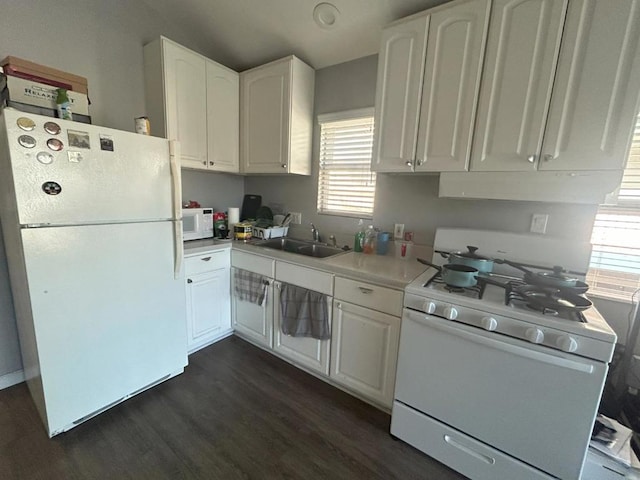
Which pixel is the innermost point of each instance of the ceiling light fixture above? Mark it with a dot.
(326, 15)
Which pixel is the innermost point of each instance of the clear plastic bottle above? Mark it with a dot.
(369, 245)
(359, 239)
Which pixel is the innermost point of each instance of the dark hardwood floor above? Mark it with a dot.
(236, 413)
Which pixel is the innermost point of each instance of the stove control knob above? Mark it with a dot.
(534, 335)
(429, 307)
(450, 313)
(489, 323)
(567, 343)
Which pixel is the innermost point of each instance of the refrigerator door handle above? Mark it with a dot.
(176, 187)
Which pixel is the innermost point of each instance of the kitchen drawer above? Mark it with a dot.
(305, 277)
(253, 263)
(206, 262)
(383, 299)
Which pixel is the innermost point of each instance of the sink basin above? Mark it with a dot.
(300, 247)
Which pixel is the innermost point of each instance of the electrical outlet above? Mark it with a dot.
(296, 217)
(398, 231)
(539, 223)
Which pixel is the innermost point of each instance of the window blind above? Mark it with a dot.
(614, 269)
(346, 184)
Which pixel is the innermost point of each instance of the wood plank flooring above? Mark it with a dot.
(236, 413)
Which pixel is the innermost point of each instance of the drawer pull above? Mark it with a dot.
(205, 259)
(484, 458)
(189, 280)
(366, 290)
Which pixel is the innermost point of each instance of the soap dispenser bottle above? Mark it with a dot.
(359, 239)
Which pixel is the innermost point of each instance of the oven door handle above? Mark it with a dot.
(497, 344)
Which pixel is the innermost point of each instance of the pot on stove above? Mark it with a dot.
(454, 275)
(469, 258)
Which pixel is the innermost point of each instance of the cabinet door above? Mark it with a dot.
(455, 51)
(265, 117)
(364, 351)
(185, 96)
(595, 96)
(305, 351)
(520, 62)
(223, 118)
(255, 321)
(208, 307)
(399, 87)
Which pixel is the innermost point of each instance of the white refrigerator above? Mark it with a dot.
(93, 238)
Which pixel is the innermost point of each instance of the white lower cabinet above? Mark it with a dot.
(364, 351)
(255, 322)
(306, 351)
(251, 321)
(208, 298)
(364, 321)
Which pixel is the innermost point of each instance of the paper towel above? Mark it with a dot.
(233, 217)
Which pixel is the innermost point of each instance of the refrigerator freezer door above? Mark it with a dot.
(98, 175)
(108, 315)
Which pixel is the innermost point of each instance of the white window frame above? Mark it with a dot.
(368, 182)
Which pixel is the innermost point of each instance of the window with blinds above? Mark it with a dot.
(346, 184)
(615, 260)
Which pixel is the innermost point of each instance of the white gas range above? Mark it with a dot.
(490, 386)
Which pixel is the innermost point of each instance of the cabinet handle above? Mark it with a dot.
(189, 280)
(419, 162)
(409, 163)
(284, 165)
(205, 259)
(548, 157)
(211, 163)
(531, 158)
(339, 305)
(204, 163)
(366, 290)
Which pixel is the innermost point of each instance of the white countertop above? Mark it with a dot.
(384, 270)
(196, 247)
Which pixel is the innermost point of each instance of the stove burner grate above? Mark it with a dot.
(474, 292)
(514, 298)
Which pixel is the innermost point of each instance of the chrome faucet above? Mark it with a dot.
(334, 243)
(315, 233)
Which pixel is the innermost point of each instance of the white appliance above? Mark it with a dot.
(490, 387)
(91, 222)
(197, 223)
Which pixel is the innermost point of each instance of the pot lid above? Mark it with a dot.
(471, 253)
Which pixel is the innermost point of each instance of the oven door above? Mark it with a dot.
(531, 402)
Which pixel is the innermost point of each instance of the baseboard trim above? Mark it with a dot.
(11, 379)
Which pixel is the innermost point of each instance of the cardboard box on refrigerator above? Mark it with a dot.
(41, 95)
(27, 70)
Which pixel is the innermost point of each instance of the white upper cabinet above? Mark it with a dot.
(193, 100)
(223, 118)
(399, 88)
(595, 96)
(428, 80)
(520, 63)
(455, 50)
(276, 117)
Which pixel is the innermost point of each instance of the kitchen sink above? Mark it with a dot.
(300, 247)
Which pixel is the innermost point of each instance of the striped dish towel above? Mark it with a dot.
(250, 287)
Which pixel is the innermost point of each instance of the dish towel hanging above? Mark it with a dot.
(250, 287)
(304, 313)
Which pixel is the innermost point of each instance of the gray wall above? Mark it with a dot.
(102, 41)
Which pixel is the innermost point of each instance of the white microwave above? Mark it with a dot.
(197, 223)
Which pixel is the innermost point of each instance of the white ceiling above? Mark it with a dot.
(245, 33)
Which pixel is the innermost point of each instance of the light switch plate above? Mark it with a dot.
(296, 217)
(398, 231)
(539, 223)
